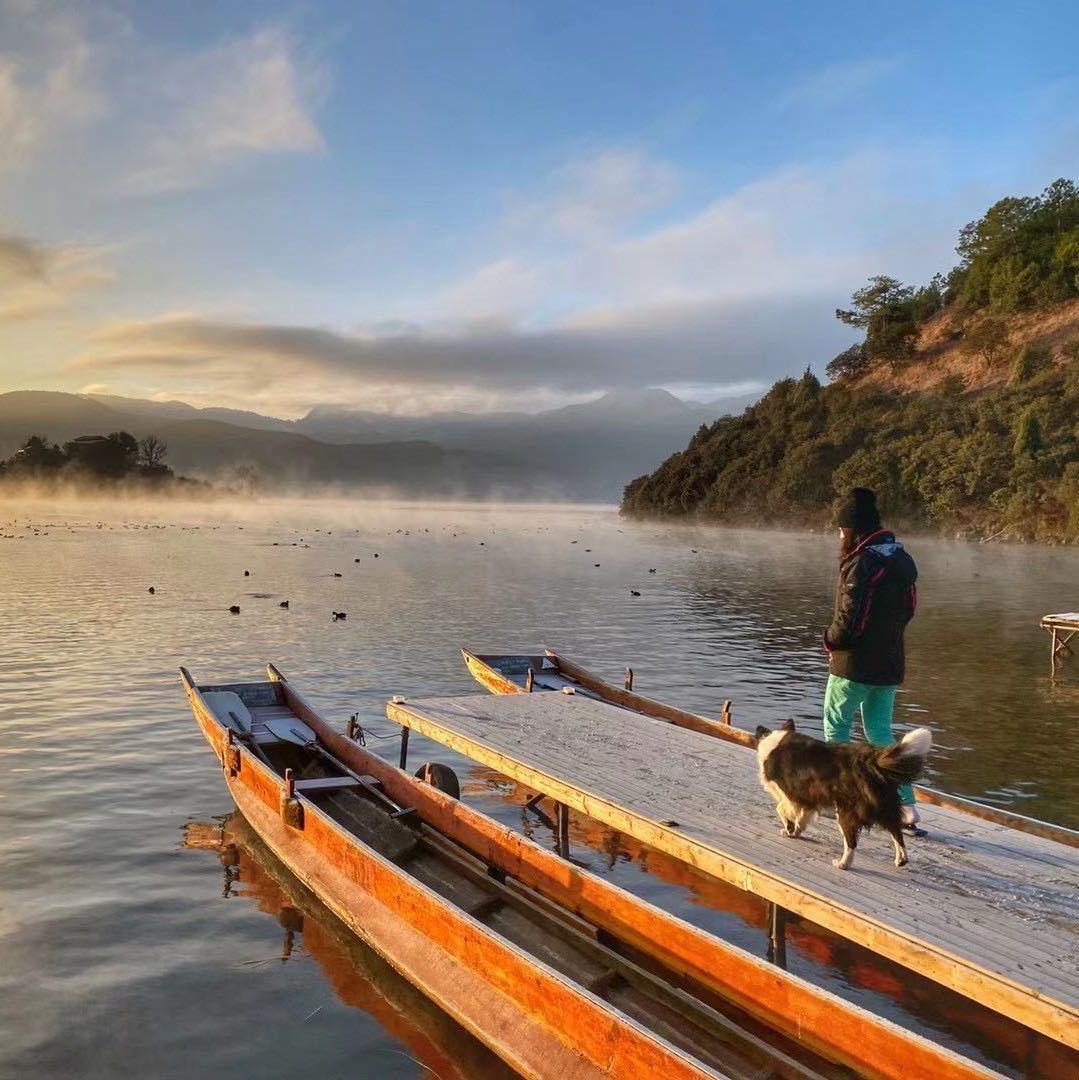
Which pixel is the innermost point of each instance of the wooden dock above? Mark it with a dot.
(987, 911)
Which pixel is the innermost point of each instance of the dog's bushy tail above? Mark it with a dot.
(905, 762)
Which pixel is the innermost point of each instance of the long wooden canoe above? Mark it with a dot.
(514, 673)
(557, 971)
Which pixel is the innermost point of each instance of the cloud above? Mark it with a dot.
(507, 286)
(741, 290)
(706, 344)
(35, 279)
(243, 96)
(597, 193)
(804, 229)
(48, 81)
(837, 83)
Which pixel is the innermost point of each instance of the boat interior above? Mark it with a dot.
(695, 1019)
(546, 673)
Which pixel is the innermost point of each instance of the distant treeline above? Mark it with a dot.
(99, 459)
(1003, 460)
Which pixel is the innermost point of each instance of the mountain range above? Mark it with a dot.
(584, 451)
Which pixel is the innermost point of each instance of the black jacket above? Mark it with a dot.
(874, 600)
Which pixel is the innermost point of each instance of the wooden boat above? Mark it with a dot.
(516, 673)
(522, 674)
(558, 972)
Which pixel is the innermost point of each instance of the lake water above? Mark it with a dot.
(129, 948)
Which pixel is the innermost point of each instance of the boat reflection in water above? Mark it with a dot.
(357, 974)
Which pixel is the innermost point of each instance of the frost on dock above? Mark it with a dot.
(991, 912)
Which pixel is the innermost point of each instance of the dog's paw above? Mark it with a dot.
(899, 864)
(840, 864)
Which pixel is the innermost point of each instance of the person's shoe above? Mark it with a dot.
(911, 817)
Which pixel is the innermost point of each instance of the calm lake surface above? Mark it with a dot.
(142, 930)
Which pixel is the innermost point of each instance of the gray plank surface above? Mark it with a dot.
(984, 897)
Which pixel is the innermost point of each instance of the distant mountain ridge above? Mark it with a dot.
(582, 451)
(593, 447)
(213, 449)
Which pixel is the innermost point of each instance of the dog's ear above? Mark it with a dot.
(788, 725)
(762, 731)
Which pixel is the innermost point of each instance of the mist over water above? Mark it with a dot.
(121, 954)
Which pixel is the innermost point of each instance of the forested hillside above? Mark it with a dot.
(960, 406)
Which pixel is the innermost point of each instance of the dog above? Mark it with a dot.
(805, 775)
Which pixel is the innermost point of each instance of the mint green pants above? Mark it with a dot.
(843, 698)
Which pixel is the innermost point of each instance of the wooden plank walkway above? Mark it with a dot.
(987, 911)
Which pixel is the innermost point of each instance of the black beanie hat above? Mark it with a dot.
(858, 512)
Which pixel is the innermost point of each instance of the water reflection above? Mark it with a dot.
(358, 976)
(103, 928)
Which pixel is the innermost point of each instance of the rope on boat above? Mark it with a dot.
(361, 734)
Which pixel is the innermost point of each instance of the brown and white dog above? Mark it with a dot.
(805, 775)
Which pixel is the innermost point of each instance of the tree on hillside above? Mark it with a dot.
(988, 338)
(1031, 360)
(848, 363)
(1028, 433)
(884, 310)
(1022, 253)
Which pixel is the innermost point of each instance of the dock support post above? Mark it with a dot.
(777, 935)
(629, 678)
(563, 829)
(404, 747)
(530, 678)
(726, 716)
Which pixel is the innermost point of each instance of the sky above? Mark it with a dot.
(410, 206)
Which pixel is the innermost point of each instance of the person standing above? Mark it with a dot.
(875, 598)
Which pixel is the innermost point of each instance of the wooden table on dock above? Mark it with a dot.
(1063, 626)
(990, 912)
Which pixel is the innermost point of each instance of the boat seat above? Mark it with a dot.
(224, 702)
(333, 783)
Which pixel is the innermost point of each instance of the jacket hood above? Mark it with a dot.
(884, 546)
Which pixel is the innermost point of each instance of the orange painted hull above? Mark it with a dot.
(538, 1021)
(357, 975)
